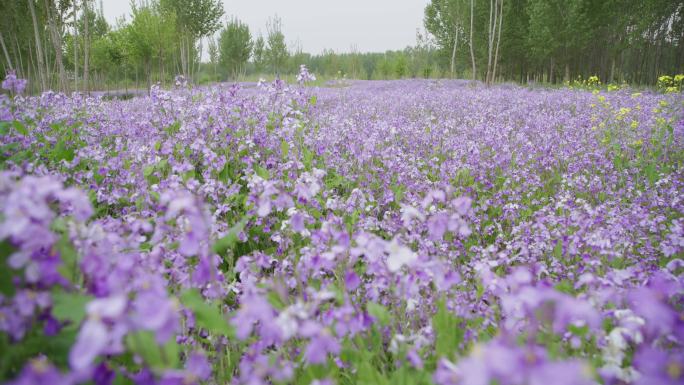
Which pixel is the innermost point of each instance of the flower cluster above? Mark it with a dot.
(385, 232)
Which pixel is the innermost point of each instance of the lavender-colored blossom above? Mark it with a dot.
(39, 371)
(659, 367)
(13, 84)
(96, 333)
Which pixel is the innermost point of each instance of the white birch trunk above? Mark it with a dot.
(472, 52)
(39, 48)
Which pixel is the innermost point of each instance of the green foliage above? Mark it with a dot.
(444, 18)
(276, 51)
(379, 312)
(144, 344)
(198, 17)
(235, 47)
(207, 315)
(448, 332)
(69, 306)
(259, 54)
(231, 238)
(6, 284)
(671, 83)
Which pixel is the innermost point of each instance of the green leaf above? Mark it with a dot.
(558, 250)
(69, 306)
(262, 172)
(69, 267)
(448, 331)
(284, 148)
(19, 126)
(368, 375)
(379, 312)
(307, 158)
(207, 315)
(144, 345)
(228, 241)
(6, 273)
(651, 172)
(403, 376)
(148, 170)
(62, 151)
(565, 286)
(275, 300)
(399, 192)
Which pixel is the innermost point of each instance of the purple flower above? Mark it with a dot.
(97, 333)
(658, 367)
(152, 310)
(414, 359)
(651, 303)
(40, 372)
(103, 375)
(351, 280)
(297, 222)
(253, 309)
(197, 369)
(13, 84)
(437, 226)
(399, 256)
(321, 344)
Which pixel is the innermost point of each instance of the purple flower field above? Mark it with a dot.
(387, 232)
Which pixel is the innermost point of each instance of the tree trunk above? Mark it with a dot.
(490, 37)
(75, 43)
(39, 48)
(498, 39)
(148, 71)
(56, 43)
(612, 70)
(48, 69)
(453, 53)
(472, 52)
(198, 65)
(18, 55)
(183, 57)
(86, 48)
(4, 51)
(32, 69)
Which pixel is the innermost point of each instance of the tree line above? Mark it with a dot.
(67, 45)
(559, 40)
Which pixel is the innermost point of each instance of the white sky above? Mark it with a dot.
(370, 25)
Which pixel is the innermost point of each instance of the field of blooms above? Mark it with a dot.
(400, 232)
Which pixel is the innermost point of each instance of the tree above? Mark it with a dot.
(86, 45)
(276, 51)
(400, 65)
(259, 54)
(214, 54)
(444, 19)
(56, 38)
(493, 38)
(472, 52)
(150, 35)
(235, 47)
(195, 19)
(42, 66)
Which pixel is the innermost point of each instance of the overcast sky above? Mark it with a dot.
(370, 25)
